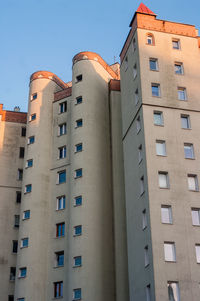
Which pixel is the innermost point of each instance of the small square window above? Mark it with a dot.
(155, 89)
(136, 97)
(63, 107)
(77, 261)
(134, 71)
(24, 242)
(79, 123)
(18, 196)
(12, 274)
(34, 96)
(21, 152)
(60, 229)
(78, 200)
(26, 214)
(78, 147)
(173, 290)
(176, 44)
(15, 246)
(158, 118)
(60, 203)
(170, 251)
(29, 163)
(23, 132)
(193, 183)
(182, 93)
(146, 256)
(31, 140)
(185, 121)
(77, 294)
(79, 100)
(28, 188)
(17, 220)
(160, 148)
(166, 214)
(77, 230)
(59, 259)
(163, 179)
(197, 248)
(61, 177)
(22, 272)
(79, 78)
(153, 64)
(138, 124)
(58, 289)
(32, 117)
(189, 151)
(195, 216)
(62, 152)
(62, 129)
(78, 173)
(178, 68)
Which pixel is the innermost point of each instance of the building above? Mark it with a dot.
(109, 197)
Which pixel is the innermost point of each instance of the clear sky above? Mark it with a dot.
(46, 34)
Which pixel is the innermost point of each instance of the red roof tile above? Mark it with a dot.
(144, 10)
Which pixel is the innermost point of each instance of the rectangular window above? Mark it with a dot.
(138, 124)
(193, 183)
(197, 248)
(28, 188)
(62, 129)
(29, 163)
(18, 197)
(11, 298)
(79, 123)
(141, 185)
(158, 118)
(166, 214)
(77, 294)
(134, 71)
(63, 107)
(60, 203)
(17, 219)
(24, 242)
(153, 64)
(146, 256)
(34, 96)
(160, 148)
(78, 200)
(78, 147)
(173, 291)
(77, 230)
(22, 272)
(79, 100)
(12, 273)
(169, 251)
(155, 89)
(15, 246)
(59, 259)
(136, 97)
(77, 261)
(61, 177)
(26, 214)
(78, 173)
(148, 292)
(185, 121)
(20, 174)
(62, 152)
(23, 132)
(163, 179)
(60, 230)
(144, 219)
(58, 289)
(32, 117)
(140, 153)
(31, 140)
(189, 151)
(196, 216)
(21, 152)
(175, 44)
(79, 78)
(182, 93)
(178, 68)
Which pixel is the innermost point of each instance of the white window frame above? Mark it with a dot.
(62, 107)
(197, 249)
(169, 219)
(161, 148)
(191, 149)
(169, 251)
(178, 64)
(182, 94)
(159, 90)
(60, 202)
(156, 64)
(186, 117)
(161, 118)
(63, 151)
(193, 186)
(163, 173)
(62, 129)
(174, 287)
(195, 212)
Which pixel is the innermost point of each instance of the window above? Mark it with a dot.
(21, 299)
(138, 124)
(60, 203)
(134, 44)
(141, 185)
(20, 174)
(31, 140)
(12, 273)
(196, 216)
(178, 68)
(77, 261)
(23, 132)
(193, 183)
(60, 230)
(62, 129)
(155, 89)
(176, 44)
(22, 272)
(126, 63)
(185, 121)
(78, 147)
(148, 292)
(166, 214)
(169, 251)
(150, 39)
(79, 78)
(77, 294)
(173, 291)
(24, 242)
(163, 179)
(78, 173)
(58, 289)
(17, 219)
(197, 248)
(21, 152)
(34, 96)
(134, 71)
(136, 97)
(140, 153)
(182, 93)
(63, 107)
(26, 214)
(79, 123)
(11, 298)
(18, 196)
(144, 219)
(32, 117)
(15, 246)
(59, 259)
(62, 152)
(188, 151)
(153, 64)
(28, 188)
(158, 118)
(77, 230)
(146, 256)
(61, 176)
(78, 200)
(29, 163)
(160, 148)
(79, 100)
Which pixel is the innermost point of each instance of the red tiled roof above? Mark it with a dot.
(144, 10)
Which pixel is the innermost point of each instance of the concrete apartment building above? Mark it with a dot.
(109, 204)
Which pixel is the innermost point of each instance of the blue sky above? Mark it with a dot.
(46, 34)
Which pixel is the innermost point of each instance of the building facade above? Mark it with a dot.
(100, 200)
